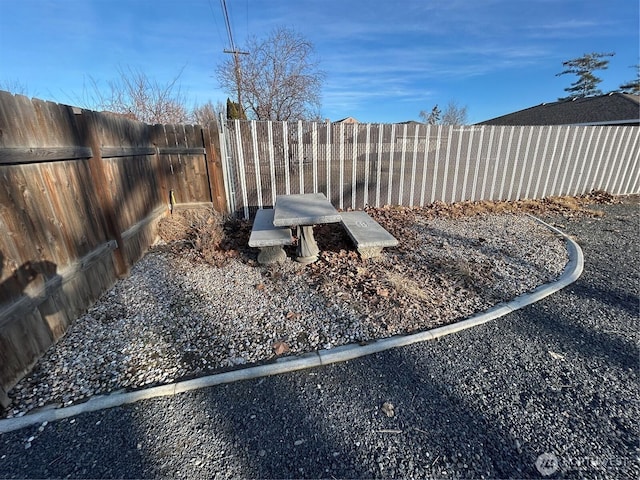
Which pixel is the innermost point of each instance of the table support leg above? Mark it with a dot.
(270, 255)
(307, 247)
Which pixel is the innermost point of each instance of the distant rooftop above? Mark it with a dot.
(347, 120)
(610, 109)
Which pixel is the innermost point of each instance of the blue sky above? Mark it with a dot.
(384, 60)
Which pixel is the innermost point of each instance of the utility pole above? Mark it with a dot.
(238, 72)
(235, 52)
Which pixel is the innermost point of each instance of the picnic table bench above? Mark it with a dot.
(367, 234)
(272, 228)
(269, 238)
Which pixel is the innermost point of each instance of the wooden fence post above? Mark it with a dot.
(214, 170)
(88, 130)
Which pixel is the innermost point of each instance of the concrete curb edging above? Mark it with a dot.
(572, 271)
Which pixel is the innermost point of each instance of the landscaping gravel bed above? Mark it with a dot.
(175, 317)
(550, 388)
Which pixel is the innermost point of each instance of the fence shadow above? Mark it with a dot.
(77, 184)
(24, 277)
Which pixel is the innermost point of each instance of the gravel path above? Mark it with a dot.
(558, 378)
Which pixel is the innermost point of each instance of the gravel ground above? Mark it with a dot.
(174, 319)
(555, 381)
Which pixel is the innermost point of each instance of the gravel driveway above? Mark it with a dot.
(555, 383)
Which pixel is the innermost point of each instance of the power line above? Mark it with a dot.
(234, 51)
(227, 22)
(215, 20)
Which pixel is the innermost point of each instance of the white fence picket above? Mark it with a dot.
(379, 167)
(597, 147)
(633, 176)
(403, 162)
(300, 159)
(354, 166)
(272, 163)
(256, 161)
(523, 166)
(436, 163)
(614, 188)
(414, 161)
(423, 164)
(487, 162)
(542, 167)
(367, 152)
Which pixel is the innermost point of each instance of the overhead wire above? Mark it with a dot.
(215, 20)
(227, 22)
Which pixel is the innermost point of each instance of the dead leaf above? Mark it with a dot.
(292, 316)
(556, 356)
(383, 292)
(260, 286)
(388, 409)
(280, 348)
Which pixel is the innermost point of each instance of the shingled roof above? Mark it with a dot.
(611, 109)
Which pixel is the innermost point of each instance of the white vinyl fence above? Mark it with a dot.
(357, 165)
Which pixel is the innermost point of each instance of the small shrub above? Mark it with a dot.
(199, 231)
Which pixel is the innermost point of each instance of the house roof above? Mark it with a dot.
(347, 120)
(612, 109)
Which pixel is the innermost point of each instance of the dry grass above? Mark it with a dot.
(408, 287)
(209, 236)
(199, 231)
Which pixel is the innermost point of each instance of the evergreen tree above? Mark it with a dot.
(632, 86)
(453, 115)
(587, 83)
(234, 112)
(432, 118)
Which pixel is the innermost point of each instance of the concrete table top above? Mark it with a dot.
(304, 209)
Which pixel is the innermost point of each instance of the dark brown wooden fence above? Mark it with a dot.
(80, 195)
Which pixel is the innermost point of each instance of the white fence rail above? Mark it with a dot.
(414, 164)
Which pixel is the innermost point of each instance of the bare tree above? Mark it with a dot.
(14, 86)
(207, 114)
(279, 79)
(452, 115)
(136, 96)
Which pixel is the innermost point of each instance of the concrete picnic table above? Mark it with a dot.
(304, 211)
(272, 228)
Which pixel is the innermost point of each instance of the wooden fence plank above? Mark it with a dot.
(159, 163)
(176, 173)
(15, 133)
(215, 174)
(197, 157)
(91, 129)
(113, 152)
(18, 155)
